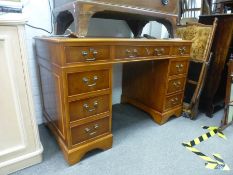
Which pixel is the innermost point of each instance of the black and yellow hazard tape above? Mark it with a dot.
(218, 163)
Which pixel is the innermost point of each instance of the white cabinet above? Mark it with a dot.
(20, 145)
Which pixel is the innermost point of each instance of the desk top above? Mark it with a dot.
(70, 52)
(66, 39)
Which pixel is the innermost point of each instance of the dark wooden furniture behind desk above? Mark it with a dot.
(76, 81)
(213, 94)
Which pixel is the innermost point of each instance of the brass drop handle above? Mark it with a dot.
(182, 50)
(135, 52)
(179, 67)
(87, 107)
(159, 52)
(92, 131)
(174, 100)
(177, 84)
(131, 54)
(91, 51)
(84, 53)
(87, 81)
(147, 51)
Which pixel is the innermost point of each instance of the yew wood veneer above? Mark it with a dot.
(76, 84)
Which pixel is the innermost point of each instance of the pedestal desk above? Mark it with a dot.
(76, 82)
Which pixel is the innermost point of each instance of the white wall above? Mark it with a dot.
(153, 28)
(38, 14)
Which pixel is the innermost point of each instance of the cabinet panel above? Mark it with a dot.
(19, 141)
(11, 114)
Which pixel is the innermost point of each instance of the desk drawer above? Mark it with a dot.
(86, 54)
(88, 81)
(175, 85)
(182, 50)
(129, 52)
(89, 130)
(160, 51)
(178, 67)
(141, 51)
(173, 101)
(84, 108)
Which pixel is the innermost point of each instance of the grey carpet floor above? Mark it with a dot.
(141, 147)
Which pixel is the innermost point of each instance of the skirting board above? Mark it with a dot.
(21, 162)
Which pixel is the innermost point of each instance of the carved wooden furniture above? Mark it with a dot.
(136, 13)
(222, 6)
(214, 90)
(228, 111)
(76, 79)
(20, 145)
(191, 9)
(202, 37)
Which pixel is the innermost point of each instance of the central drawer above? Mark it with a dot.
(141, 51)
(88, 107)
(88, 81)
(90, 130)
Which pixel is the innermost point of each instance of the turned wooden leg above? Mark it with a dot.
(82, 23)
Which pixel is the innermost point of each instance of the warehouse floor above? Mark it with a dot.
(142, 147)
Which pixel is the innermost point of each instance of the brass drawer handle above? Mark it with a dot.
(174, 101)
(92, 131)
(177, 84)
(179, 67)
(159, 52)
(87, 107)
(135, 52)
(91, 51)
(182, 50)
(87, 81)
(84, 53)
(147, 51)
(131, 54)
(128, 53)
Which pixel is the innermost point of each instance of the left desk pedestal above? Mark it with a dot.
(20, 146)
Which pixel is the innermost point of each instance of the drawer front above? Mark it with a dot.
(88, 107)
(175, 85)
(183, 50)
(173, 101)
(86, 54)
(141, 51)
(90, 130)
(89, 81)
(178, 67)
(160, 51)
(129, 52)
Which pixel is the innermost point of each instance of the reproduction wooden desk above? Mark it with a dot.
(76, 82)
